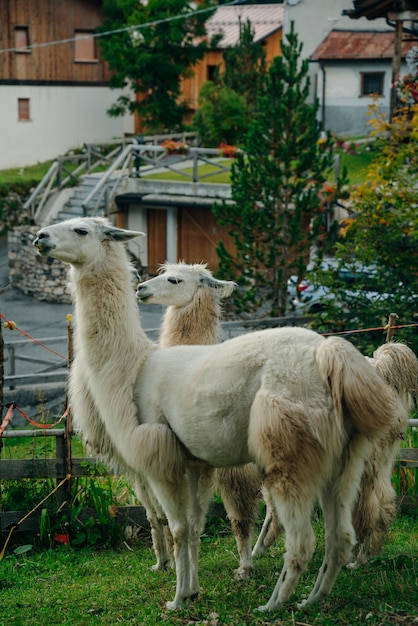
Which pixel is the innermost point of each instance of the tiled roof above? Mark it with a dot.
(265, 20)
(354, 45)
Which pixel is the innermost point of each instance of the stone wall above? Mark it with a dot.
(40, 277)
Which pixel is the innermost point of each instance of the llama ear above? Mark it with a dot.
(119, 234)
(223, 287)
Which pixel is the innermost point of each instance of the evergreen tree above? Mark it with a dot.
(245, 65)
(277, 212)
(152, 61)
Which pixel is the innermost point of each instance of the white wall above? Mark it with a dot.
(346, 111)
(62, 118)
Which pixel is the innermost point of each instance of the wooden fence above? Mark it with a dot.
(65, 465)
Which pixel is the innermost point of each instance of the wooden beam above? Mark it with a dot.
(396, 68)
(403, 16)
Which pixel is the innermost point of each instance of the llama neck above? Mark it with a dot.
(108, 330)
(196, 323)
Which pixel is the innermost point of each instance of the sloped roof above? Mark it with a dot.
(265, 20)
(356, 45)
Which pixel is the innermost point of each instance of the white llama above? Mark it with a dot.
(192, 296)
(375, 509)
(304, 408)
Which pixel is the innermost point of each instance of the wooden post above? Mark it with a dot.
(396, 67)
(69, 420)
(1, 371)
(390, 326)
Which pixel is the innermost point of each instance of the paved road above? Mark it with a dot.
(42, 321)
(47, 319)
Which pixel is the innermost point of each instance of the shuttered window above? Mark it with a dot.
(23, 108)
(84, 46)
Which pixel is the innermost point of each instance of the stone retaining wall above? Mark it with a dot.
(40, 277)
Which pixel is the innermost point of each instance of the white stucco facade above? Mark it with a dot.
(61, 118)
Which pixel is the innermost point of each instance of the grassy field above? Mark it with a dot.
(63, 586)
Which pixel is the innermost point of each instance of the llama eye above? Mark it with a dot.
(174, 281)
(81, 231)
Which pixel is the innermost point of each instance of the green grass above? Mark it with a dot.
(88, 587)
(24, 175)
(357, 164)
(217, 176)
(37, 447)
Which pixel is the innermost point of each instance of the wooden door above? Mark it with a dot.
(199, 235)
(157, 239)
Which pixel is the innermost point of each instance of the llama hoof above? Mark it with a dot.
(258, 551)
(311, 599)
(263, 608)
(242, 574)
(159, 567)
(353, 565)
(173, 606)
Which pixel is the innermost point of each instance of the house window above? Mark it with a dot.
(23, 109)
(372, 83)
(22, 39)
(84, 46)
(211, 72)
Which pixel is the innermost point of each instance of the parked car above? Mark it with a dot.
(307, 296)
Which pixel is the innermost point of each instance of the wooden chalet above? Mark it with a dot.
(54, 92)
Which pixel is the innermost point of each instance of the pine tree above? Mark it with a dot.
(277, 187)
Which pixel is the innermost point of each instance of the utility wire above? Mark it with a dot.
(117, 30)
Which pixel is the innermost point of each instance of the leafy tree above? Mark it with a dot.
(227, 103)
(152, 61)
(222, 116)
(278, 207)
(381, 235)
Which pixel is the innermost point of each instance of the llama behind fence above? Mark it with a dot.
(192, 296)
(306, 409)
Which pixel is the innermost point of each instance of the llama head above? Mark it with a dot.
(178, 283)
(79, 240)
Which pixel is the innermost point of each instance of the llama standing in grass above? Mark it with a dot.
(305, 409)
(192, 296)
(375, 509)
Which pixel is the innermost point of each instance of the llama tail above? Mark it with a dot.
(357, 389)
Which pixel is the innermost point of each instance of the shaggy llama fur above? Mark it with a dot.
(305, 409)
(375, 509)
(192, 296)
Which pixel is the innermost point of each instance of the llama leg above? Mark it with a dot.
(271, 528)
(160, 532)
(174, 499)
(240, 491)
(337, 500)
(200, 483)
(300, 544)
(339, 542)
(375, 509)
